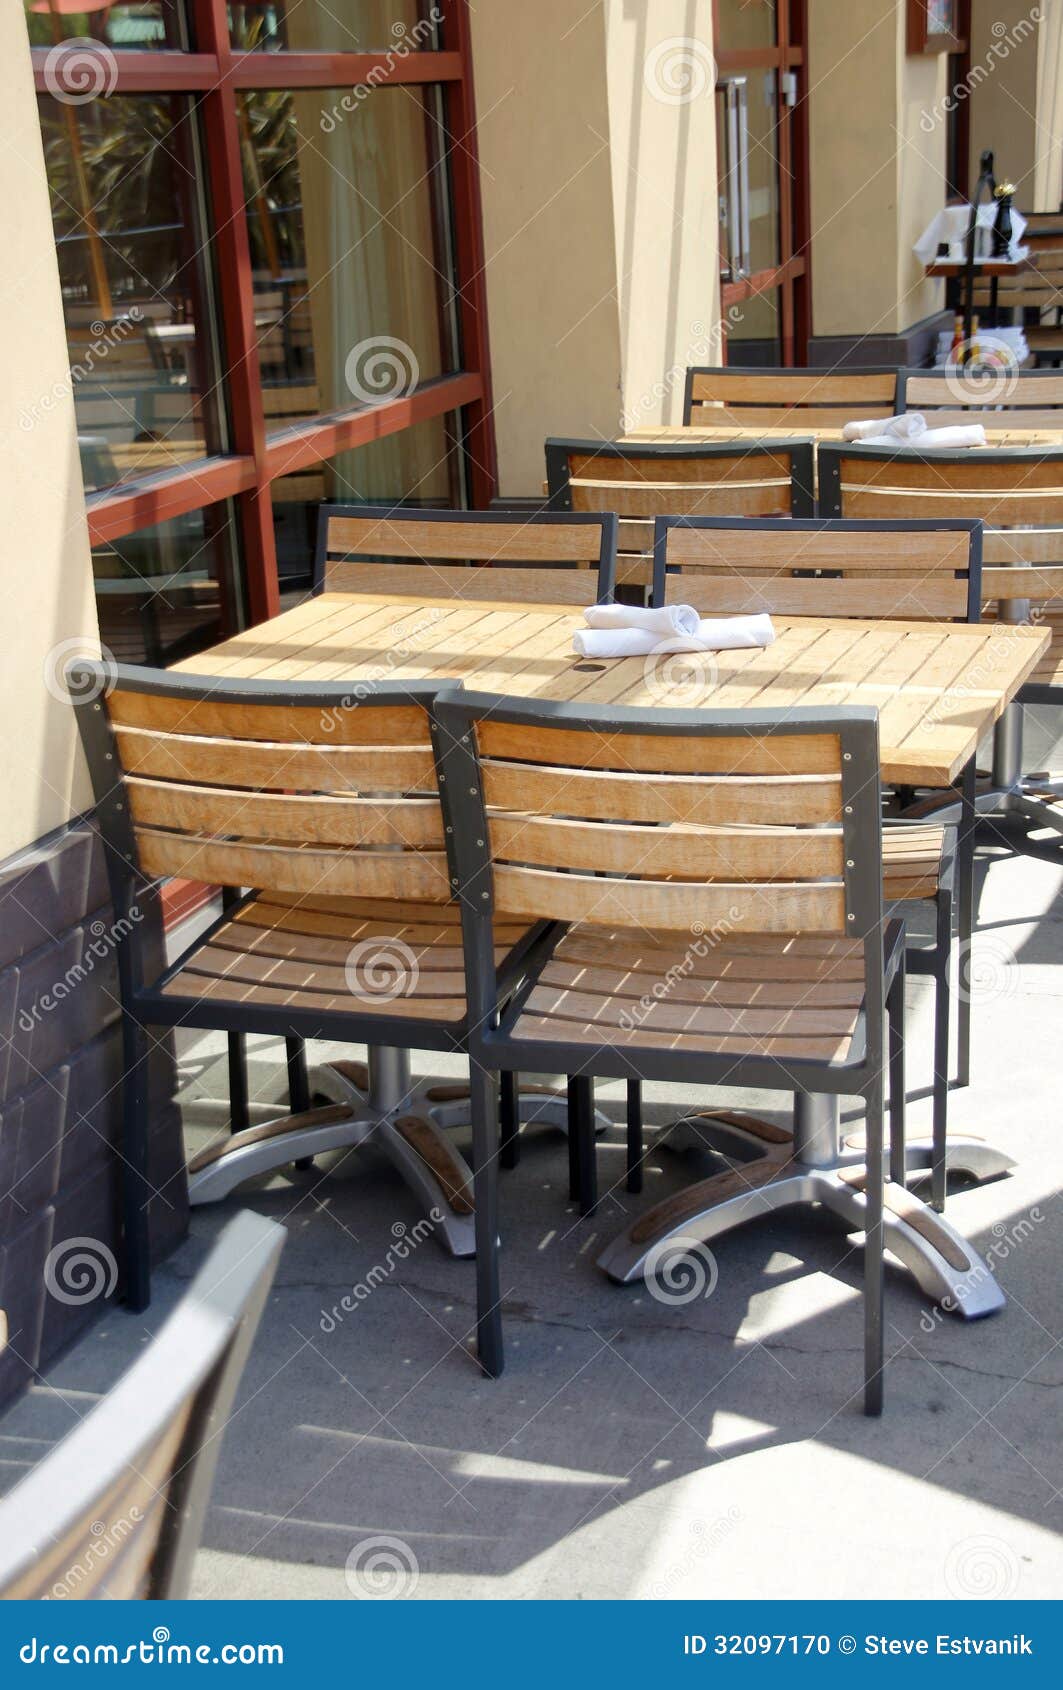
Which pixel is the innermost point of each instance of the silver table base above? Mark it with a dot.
(772, 1170)
(379, 1105)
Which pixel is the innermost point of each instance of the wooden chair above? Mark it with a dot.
(640, 483)
(286, 404)
(1014, 399)
(537, 556)
(554, 812)
(778, 398)
(906, 570)
(550, 558)
(323, 799)
(1023, 577)
(117, 1509)
(1008, 488)
(1037, 289)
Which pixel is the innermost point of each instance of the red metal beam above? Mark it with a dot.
(341, 70)
(232, 263)
(170, 493)
(471, 260)
(128, 72)
(292, 449)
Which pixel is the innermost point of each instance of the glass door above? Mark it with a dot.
(762, 155)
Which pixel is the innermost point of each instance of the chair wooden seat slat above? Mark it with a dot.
(741, 954)
(910, 571)
(794, 398)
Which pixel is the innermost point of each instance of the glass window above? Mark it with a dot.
(164, 593)
(348, 215)
(422, 465)
(140, 320)
(141, 26)
(355, 26)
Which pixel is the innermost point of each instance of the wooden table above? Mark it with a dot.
(938, 688)
(1006, 434)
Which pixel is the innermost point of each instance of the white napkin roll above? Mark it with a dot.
(946, 439)
(718, 633)
(908, 426)
(614, 642)
(663, 624)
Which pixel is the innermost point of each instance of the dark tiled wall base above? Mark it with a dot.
(60, 1103)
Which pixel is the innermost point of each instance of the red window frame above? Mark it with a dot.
(216, 72)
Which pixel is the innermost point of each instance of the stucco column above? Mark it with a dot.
(598, 171)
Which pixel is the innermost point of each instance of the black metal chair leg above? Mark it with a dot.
(581, 1127)
(239, 1115)
(298, 1079)
(874, 1266)
(483, 1106)
(298, 1088)
(965, 864)
(942, 1005)
(634, 1135)
(895, 1009)
(573, 1145)
(135, 1186)
(509, 1153)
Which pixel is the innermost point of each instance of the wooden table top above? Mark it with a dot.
(938, 687)
(700, 434)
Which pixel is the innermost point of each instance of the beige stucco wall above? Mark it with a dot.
(543, 131)
(877, 167)
(1048, 166)
(1003, 97)
(599, 218)
(44, 552)
(662, 132)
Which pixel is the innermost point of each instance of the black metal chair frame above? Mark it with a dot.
(606, 583)
(840, 405)
(933, 960)
(144, 1001)
(494, 1050)
(800, 449)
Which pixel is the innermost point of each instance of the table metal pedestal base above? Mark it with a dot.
(377, 1104)
(772, 1170)
(1009, 797)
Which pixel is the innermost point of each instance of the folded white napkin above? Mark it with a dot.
(906, 427)
(951, 225)
(935, 439)
(671, 619)
(620, 630)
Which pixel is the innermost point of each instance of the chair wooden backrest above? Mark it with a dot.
(911, 570)
(1022, 581)
(745, 820)
(1006, 487)
(754, 478)
(544, 557)
(1011, 399)
(286, 404)
(116, 1510)
(1038, 284)
(325, 790)
(779, 398)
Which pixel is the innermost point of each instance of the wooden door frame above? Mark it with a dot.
(791, 276)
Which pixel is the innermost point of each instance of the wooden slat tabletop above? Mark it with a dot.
(938, 688)
(999, 425)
